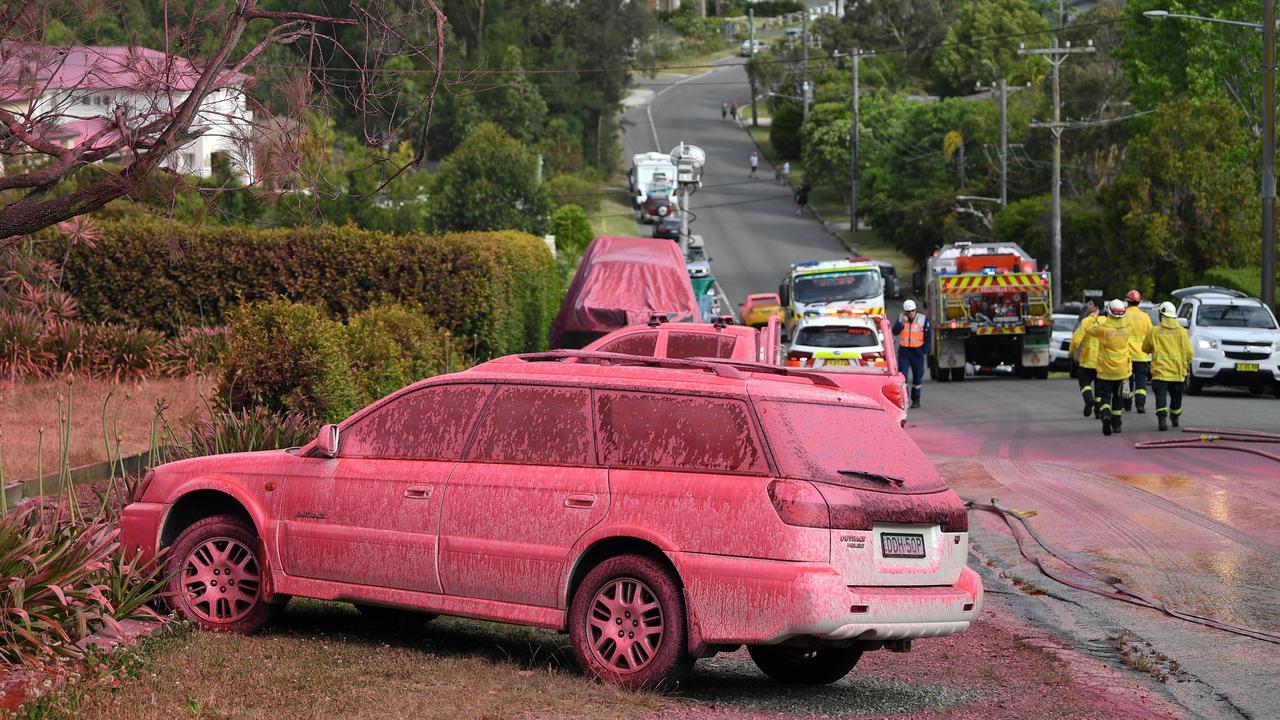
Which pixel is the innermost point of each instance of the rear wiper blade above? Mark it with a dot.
(876, 477)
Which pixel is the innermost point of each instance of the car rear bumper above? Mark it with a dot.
(761, 602)
(140, 526)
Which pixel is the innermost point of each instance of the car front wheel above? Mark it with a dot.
(216, 575)
(627, 624)
(804, 666)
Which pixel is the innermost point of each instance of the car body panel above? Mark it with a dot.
(757, 308)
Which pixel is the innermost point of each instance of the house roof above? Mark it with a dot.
(29, 69)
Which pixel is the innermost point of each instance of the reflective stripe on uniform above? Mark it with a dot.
(912, 333)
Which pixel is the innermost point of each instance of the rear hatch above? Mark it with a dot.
(892, 519)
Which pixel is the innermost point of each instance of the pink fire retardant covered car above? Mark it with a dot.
(656, 510)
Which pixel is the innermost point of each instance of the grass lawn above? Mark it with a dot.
(26, 407)
(686, 63)
(615, 217)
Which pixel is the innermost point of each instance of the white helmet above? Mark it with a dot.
(1117, 307)
(909, 306)
(1167, 310)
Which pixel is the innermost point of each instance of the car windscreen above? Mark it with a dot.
(845, 445)
(1235, 316)
(695, 255)
(836, 336)
(837, 286)
(1064, 324)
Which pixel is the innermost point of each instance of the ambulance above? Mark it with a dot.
(852, 283)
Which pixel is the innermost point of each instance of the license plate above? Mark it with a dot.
(1247, 367)
(837, 361)
(896, 545)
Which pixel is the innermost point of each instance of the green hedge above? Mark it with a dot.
(495, 291)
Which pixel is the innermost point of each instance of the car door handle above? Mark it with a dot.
(580, 501)
(418, 492)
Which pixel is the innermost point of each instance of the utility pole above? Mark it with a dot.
(804, 65)
(855, 137)
(1056, 55)
(1269, 153)
(751, 33)
(1004, 143)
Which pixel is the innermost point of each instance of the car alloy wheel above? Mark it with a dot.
(216, 576)
(626, 625)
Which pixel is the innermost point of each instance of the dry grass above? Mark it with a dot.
(615, 217)
(28, 406)
(325, 661)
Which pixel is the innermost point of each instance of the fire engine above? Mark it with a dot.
(990, 306)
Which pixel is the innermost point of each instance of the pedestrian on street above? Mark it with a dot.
(1084, 350)
(755, 164)
(914, 335)
(802, 200)
(733, 110)
(1170, 350)
(786, 172)
(1114, 363)
(1139, 326)
(724, 109)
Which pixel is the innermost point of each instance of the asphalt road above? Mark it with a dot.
(749, 226)
(1197, 530)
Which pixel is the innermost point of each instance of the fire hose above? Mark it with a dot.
(1217, 440)
(1120, 592)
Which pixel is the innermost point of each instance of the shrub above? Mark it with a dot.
(288, 358)
(123, 353)
(784, 130)
(20, 343)
(572, 229)
(502, 288)
(391, 346)
(194, 350)
(569, 188)
(248, 430)
(65, 346)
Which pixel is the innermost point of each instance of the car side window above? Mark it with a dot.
(1185, 312)
(536, 424)
(682, 345)
(639, 343)
(677, 432)
(427, 424)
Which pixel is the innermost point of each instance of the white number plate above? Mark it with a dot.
(898, 545)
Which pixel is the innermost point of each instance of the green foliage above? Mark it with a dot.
(1185, 200)
(784, 131)
(572, 228)
(288, 358)
(500, 291)
(574, 189)
(391, 346)
(194, 350)
(247, 430)
(910, 30)
(1086, 240)
(918, 228)
(1246, 280)
(825, 146)
(489, 183)
(982, 43)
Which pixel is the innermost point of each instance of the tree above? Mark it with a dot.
(909, 29)
(1185, 198)
(825, 146)
(982, 44)
(198, 57)
(784, 129)
(490, 182)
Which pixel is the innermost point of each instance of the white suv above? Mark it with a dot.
(1235, 339)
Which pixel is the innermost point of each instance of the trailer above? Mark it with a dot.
(990, 307)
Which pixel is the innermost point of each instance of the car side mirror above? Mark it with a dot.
(327, 441)
(1184, 322)
(783, 295)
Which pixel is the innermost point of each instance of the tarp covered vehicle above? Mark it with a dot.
(624, 281)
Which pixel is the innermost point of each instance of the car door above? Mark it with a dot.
(527, 490)
(371, 516)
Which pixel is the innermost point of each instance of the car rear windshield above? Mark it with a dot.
(682, 345)
(1235, 316)
(836, 336)
(837, 286)
(844, 445)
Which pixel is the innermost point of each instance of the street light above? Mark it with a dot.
(1268, 29)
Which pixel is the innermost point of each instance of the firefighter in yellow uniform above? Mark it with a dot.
(1139, 325)
(1170, 350)
(1084, 350)
(1114, 363)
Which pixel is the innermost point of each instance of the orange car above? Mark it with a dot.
(756, 310)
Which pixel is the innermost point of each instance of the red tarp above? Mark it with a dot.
(623, 281)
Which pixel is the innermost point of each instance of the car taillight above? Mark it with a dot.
(798, 358)
(896, 394)
(874, 359)
(145, 483)
(799, 503)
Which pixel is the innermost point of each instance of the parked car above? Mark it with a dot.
(656, 207)
(892, 283)
(656, 514)
(757, 308)
(683, 340)
(747, 49)
(1234, 339)
(668, 228)
(836, 342)
(1060, 343)
(696, 260)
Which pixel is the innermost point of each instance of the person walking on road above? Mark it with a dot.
(1170, 350)
(802, 199)
(733, 110)
(1139, 326)
(1114, 363)
(755, 164)
(1084, 350)
(786, 172)
(914, 335)
(724, 109)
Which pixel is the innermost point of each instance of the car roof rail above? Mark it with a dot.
(815, 378)
(1196, 290)
(719, 369)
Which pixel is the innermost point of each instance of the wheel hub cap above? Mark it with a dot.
(626, 625)
(220, 579)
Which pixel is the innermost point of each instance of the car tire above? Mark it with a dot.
(1041, 373)
(933, 370)
(804, 666)
(638, 590)
(387, 617)
(1194, 386)
(957, 374)
(216, 576)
